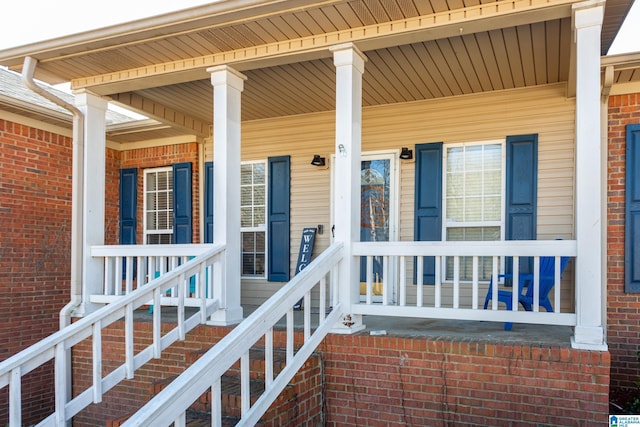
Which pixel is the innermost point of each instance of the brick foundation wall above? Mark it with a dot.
(386, 380)
(35, 230)
(623, 317)
(382, 381)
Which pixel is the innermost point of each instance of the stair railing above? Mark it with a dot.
(56, 347)
(171, 404)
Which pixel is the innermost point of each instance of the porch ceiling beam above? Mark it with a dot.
(624, 88)
(162, 113)
(467, 20)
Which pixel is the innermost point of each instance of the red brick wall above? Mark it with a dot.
(112, 197)
(623, 319)
(144, 158)
(35, 204)
(382, 381)
(386, 380)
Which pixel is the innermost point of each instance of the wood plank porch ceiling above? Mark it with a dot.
(416, 49)
(493, 60)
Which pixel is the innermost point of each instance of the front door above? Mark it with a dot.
(378, 211)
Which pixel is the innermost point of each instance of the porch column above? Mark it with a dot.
(349, 63)
(94, 109)
(589, 330)
(227, 88)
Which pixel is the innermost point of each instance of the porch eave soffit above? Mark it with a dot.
(162, 113)
(467, 20)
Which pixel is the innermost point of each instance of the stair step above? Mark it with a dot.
(232, 398)
(203, 419)
(231, 393)
(193, 419)
(282, 410)
(256, 362)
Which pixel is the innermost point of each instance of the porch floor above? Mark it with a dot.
(432, 328)
(441, 328)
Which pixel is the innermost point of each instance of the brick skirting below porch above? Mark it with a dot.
(395, 380)
(388, 380)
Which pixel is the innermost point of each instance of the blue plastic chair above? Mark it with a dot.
(525, 284)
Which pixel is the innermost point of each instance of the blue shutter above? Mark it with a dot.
(128, 205)
(182, 212)
(521, 193)
(428, 201)
(208, 202)
(632, 211)
(278, 252)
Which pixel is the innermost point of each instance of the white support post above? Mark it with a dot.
(94, 109)
(589, 330)
(349, 63)
(227, 88)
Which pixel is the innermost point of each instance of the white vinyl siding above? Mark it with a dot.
(544, 110)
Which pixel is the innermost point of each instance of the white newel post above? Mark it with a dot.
(349, 63)
(589, 330)
(227, 88)
(94, 109)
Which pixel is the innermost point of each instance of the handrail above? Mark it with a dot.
(172, 402)
(56, 346)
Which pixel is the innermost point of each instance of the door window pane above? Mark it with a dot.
(375, 193)
(374, 200)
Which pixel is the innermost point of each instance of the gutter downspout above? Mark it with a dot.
(28, 71)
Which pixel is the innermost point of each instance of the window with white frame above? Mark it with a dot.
(158, 205)
(474, 189)
(253, 211)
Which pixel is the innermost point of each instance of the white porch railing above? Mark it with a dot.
(183, 281)
(128, 267)
(170, 404)
(398, 258)
(57, 346)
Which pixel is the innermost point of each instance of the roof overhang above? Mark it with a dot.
(621, 74)
(416, 50)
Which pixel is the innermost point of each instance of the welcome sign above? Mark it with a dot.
(306, 248)
(304, 256)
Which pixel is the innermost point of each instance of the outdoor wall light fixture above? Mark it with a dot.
(406, 154)
(317, 160)
(342, 150)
